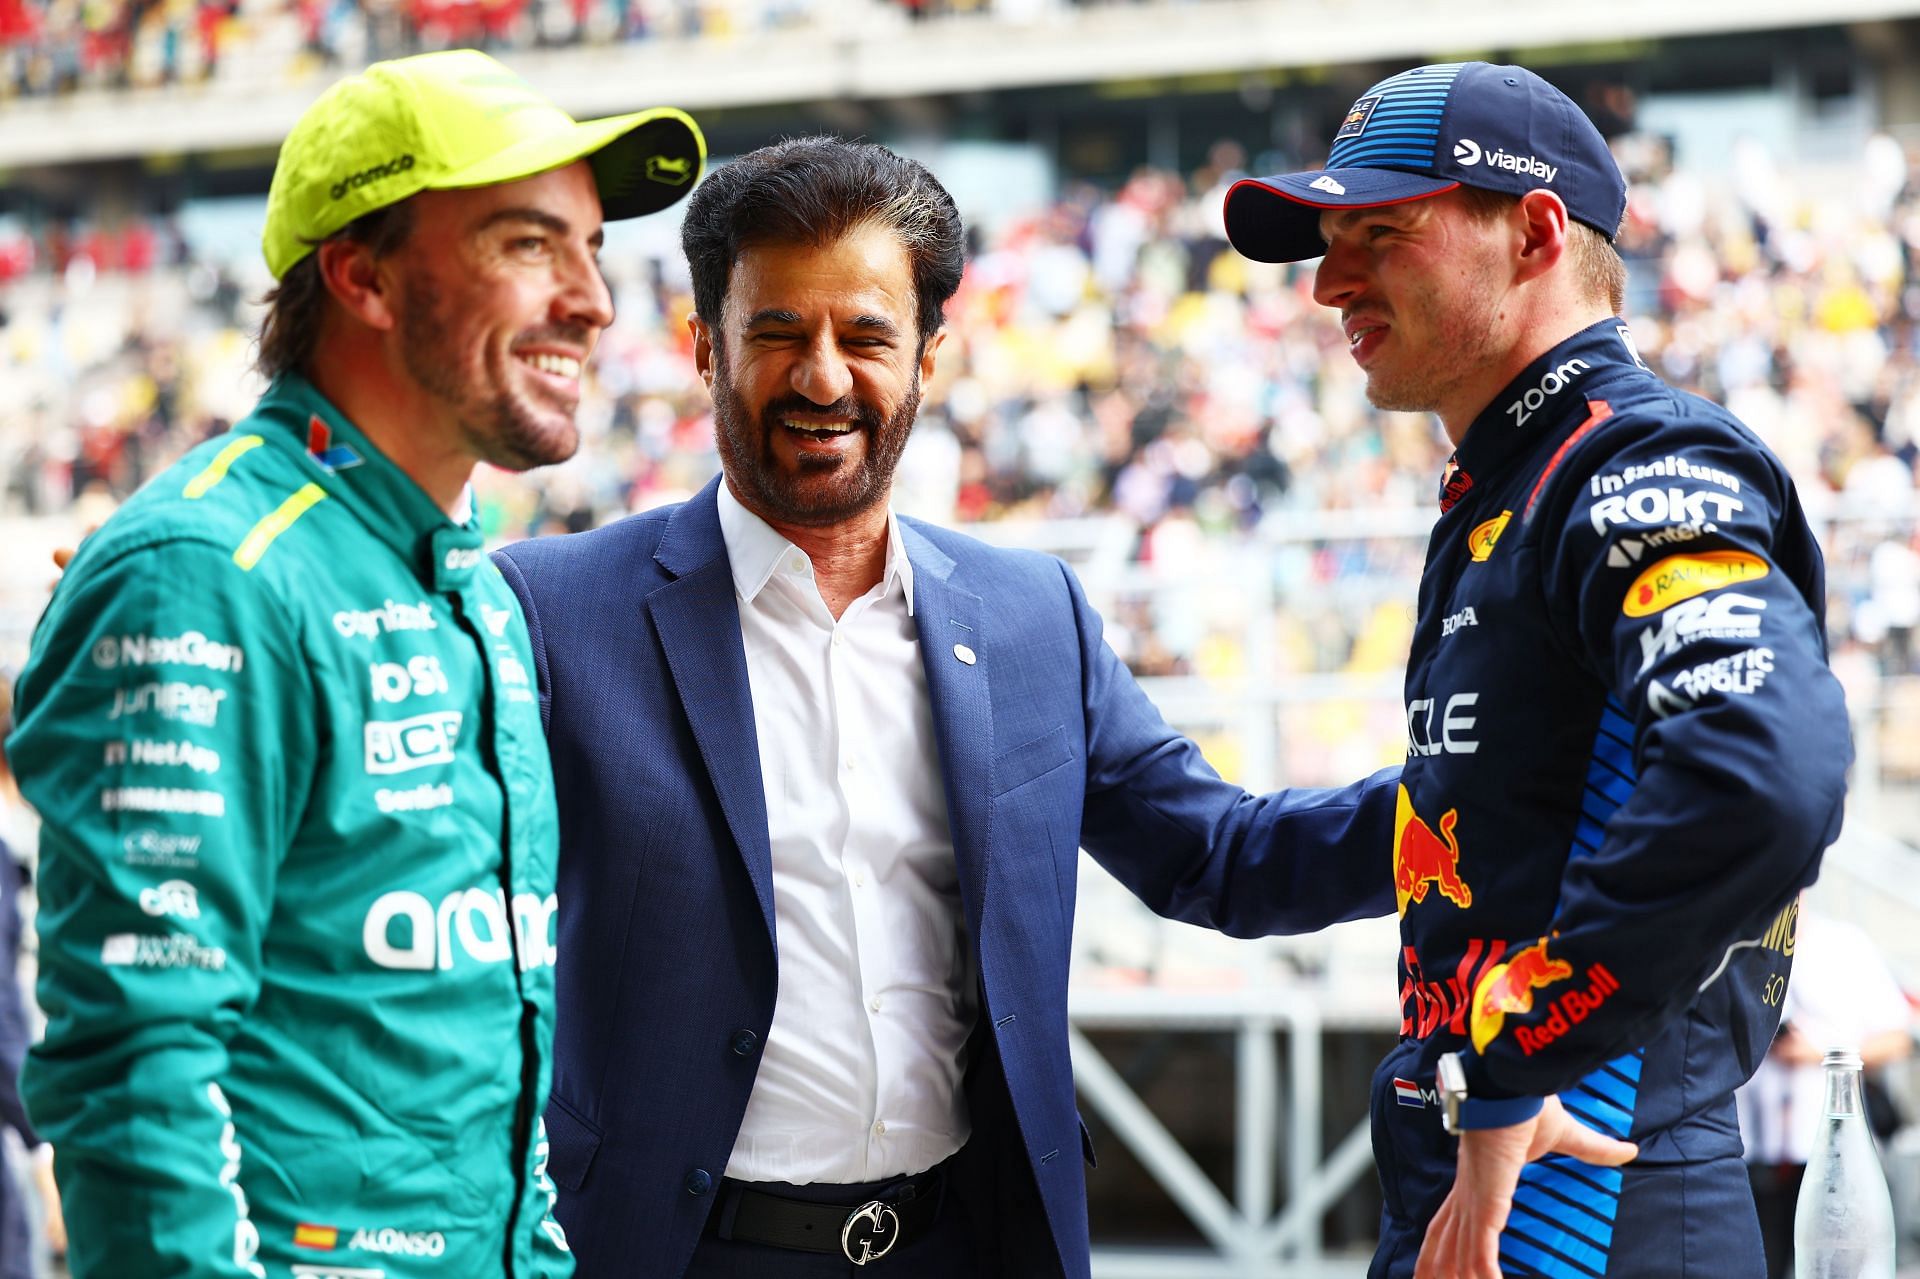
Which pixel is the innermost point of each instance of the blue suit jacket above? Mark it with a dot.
(667, 936)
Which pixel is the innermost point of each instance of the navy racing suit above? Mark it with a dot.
(1626, 756)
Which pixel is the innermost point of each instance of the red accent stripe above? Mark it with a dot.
(1598, 411)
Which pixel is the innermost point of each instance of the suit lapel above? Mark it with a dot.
(949, 620)
(698, 622)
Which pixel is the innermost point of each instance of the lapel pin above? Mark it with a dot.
(964, 653)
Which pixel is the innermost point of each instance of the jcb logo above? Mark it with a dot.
(402, 745)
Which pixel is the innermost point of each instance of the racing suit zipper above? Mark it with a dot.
(523, 1117)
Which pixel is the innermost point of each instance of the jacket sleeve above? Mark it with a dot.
(166, 732)
(1682, 576)
(1196, 848)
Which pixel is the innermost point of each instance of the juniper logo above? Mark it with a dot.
(1467, 152)
(354, 181)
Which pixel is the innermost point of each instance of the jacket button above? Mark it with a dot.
(699, 1181)
(744, 1042)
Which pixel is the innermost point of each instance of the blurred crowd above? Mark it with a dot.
(62, 46)
(1115, 372)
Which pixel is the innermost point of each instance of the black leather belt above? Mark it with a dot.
(863, 1233)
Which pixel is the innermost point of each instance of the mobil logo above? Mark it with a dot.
(1423, 860)
(1508, 988)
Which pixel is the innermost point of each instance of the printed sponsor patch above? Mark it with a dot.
(1682, 577)
(1407, 1093)
(1357, 117)
(1480, 542)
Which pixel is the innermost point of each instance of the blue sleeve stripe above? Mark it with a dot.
(1541, 1204)
(1589, 835)
(1616, 788)
(1615, 1089)
(1607, 1179)
(1618, 1120)
(1615, 754)
(1419, 150)
(1546, 1263)
(1628, 1065)
(1597, 807)
(1595, 1114)
(1572, 1189)
(1555, 1241)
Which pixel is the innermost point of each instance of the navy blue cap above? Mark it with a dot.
(1427, 131)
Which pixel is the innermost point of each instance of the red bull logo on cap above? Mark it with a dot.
(1423, 860)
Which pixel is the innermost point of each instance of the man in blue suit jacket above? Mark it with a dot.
(730, 775)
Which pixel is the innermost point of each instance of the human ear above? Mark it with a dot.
(1540, 222)
(357, 281)
(702, 347)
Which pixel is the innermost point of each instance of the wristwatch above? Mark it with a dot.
(1460, 1113)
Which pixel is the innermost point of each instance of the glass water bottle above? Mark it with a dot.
(1843, 1223)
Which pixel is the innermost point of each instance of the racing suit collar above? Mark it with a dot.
(344, 462)
(1553, 394)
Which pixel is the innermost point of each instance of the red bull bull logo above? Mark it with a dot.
(1508, 988)
(1423, 860)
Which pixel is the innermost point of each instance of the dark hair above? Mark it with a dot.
(813, 191)
(296, 305)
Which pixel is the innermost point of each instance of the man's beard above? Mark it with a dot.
(1470, 347)
(498, 425)
(825, 489)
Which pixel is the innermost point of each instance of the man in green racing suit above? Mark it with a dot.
(297, 901)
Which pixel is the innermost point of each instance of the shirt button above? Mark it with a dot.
(874, 1003)
(859, 879)
(798, 564)
(744, 1042)
(699, 1181)
(852, 767)
(880, 1128)
(836, 639)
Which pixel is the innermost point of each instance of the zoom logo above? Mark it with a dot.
(402, 745)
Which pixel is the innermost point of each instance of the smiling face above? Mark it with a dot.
(500, 303)
(1419, 287)
(815, 367)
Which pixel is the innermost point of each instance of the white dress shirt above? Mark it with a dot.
(860, 1078)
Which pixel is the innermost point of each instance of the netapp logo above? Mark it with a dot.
(354, 181)
(1468, 153)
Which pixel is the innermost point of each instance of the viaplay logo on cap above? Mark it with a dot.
(1469, 153)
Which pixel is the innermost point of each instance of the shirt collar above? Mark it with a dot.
(755, 552)
(340, 459)
(1541, 402)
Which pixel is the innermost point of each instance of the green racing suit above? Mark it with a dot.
(297, 875)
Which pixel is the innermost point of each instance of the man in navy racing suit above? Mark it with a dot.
(1626, 752)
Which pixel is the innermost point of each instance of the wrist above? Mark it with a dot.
(1465, 1107)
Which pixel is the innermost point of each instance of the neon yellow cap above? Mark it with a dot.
(459, 119)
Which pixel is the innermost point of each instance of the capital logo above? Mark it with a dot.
(1508, 988)
(1467, 152)
(673, 170)
(1326, 182)
(1682, 577)
(1480, 541)
(1423, 860)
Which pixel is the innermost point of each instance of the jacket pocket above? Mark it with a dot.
(1036, 758)
(572, 1143)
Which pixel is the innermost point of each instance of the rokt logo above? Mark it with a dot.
(379, 172)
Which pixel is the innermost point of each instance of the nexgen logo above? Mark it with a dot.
(1681, 577)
